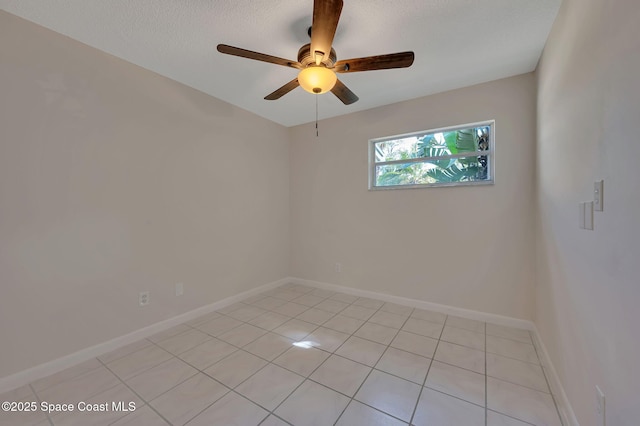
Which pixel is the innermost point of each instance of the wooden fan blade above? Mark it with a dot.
(277, 94)
(343, 93)
(380, 62)
(326, 14)
(236, 51)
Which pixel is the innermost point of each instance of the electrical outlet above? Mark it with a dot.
(143, 298)
(600, 407)
(338, 267)
(179, 289)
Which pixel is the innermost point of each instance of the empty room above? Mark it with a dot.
(319, 212)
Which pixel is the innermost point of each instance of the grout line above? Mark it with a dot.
(46, 414)
(379, 358)
(424, 383)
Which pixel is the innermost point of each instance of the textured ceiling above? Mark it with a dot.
(457, 43)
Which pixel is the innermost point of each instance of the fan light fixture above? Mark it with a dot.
(317, 79)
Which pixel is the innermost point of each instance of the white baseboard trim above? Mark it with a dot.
(414, 303)
(566, 412)
(564, 407)
(43, 370)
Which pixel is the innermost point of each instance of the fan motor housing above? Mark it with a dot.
(306, 59)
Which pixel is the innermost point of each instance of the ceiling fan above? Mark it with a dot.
(317, 60)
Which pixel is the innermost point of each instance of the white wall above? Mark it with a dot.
(469, 247)
(115, 180)
(589, 281)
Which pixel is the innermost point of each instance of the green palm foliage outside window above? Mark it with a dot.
(442, 157)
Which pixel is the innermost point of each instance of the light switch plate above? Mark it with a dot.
(598, 196)
(588, 215)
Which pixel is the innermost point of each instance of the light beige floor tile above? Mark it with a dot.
(404, 364)
(518, 372)
(427, 315)
(22, 418)
(388, 319)
(269, 303)
(467, 324)
(436, 408)
(511, 333)
(419, 345)
(394, 308)
(125, 350)
(497, 419)
(139, 361)
(312, 404)
(463, 337)
(188, 399)
(341, 374)
(390, 394)
(270, 386)
(144, 416)
(330, 305)
(203, 318)
(241, 335)
(287, 295)
(342, 297)
(184, 341)
(269, 346)
(159, 379)
(361, 350)
(368, 303)
(17, 394)
(360, 414)
(423, 328)
(308, 300)
(458, 382)
(207, 353)
(231, 410)
(181, 328)
(512, 349)
(327, 339)
(461, 356)
(218, 326)
(521, 403)
(269, 320)
(80, 388)
(291, 309)
(272, 420)
(247, 313)
(235, 368)
(358, 312)
(253, 299)
(315, 316)
(67, 374)
(301, 360)
(377, 333)
(104, 413)
(295, 329)
(320, 292)
(343, 324)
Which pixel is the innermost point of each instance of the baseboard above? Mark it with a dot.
(564, 407)
(43, 370)
(445, 309)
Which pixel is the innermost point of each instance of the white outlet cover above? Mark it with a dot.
(179, 289)
(598, 196)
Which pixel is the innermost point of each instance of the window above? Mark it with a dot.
(460, 155)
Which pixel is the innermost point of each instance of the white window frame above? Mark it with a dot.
(490, 153)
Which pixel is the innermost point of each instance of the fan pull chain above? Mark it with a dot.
(317, 133)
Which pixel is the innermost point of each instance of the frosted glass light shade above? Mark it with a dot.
(317, 79)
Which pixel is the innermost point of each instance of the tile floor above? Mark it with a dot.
(303, 356)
